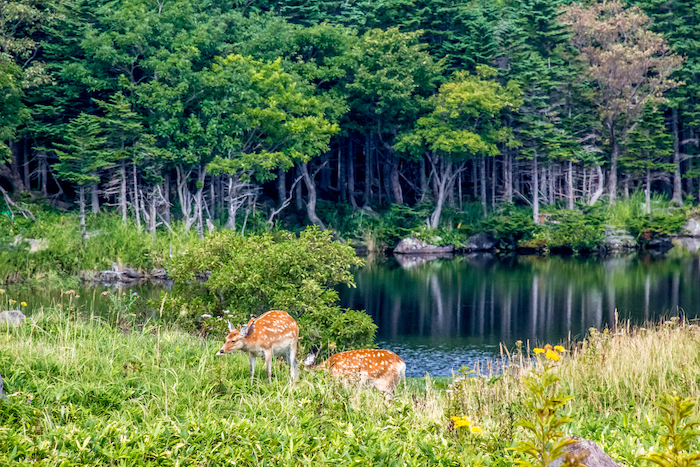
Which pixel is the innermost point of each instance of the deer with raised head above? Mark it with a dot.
(381, 368)
(271, 334)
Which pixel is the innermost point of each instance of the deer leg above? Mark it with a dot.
(252, 365)
(268, 365)
(293, 364)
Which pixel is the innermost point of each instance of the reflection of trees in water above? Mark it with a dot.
(526, 298)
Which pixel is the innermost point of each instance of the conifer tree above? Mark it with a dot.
(82, 156)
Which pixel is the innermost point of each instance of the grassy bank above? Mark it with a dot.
(93, 394)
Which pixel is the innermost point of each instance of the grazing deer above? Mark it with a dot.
(382, 368)
(271, 334)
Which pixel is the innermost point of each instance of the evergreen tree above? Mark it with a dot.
(82, 156)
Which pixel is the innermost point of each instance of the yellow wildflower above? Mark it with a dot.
(460, 422)
(24, 303)
(552, 355)
(538, 351)
(476, 429)
(559, 348)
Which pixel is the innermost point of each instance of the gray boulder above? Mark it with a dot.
(483, 241)
(412, 261)
(691, 228)
(596, 457)
(12, 317)
(414, 246)
(2, 389)
(692, 244)
(618, 239)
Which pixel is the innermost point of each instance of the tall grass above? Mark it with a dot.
(91, 394)
(84, 392)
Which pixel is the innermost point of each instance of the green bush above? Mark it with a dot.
(239, 277)
(510, 227)
(576, 231)
(651, 226)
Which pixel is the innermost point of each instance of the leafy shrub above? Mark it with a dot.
(251, 275)
(651, 226)
(510, 227)
(577, 231)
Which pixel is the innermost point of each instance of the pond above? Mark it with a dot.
(445, 314)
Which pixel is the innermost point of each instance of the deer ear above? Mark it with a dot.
(230, 327)
(246, 329)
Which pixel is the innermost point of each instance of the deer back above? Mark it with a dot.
(382, 367)
(274, 328)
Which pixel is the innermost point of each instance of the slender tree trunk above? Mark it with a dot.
(351, 174)
(570, 185)
(612, 193)
(601, 186)
(550, 189)
(166, 196)
(81, 201)
(677, 190)
(647, 195)
(281, 186)
(95, 197)
(311, 201)
(395, 182)
(298, 195)
(367, 198)
(423, 179)
(137, 207)
(122, 191)
(44, 173)
(15, 177)
(475, 178)
(482, 183)
(535, 191)
(199, 200)
(508, 175)
(25, 164)
(493, 183)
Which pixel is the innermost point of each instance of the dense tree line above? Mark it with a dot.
(205, 111)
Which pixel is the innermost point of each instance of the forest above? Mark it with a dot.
(213, 113)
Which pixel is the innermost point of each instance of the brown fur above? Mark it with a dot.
(382, 368)
(274, 333)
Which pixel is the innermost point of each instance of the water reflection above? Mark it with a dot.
(470, 304)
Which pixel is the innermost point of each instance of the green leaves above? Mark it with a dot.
(250, 275)
(83, 155)
(680, 435)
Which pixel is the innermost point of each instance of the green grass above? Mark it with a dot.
(89, 393)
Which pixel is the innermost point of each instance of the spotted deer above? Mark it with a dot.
(381, 368)
(271, 334)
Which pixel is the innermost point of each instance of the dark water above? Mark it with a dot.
(446, 314)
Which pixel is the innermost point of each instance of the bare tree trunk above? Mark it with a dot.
(25, 164)
(601, 186)
(281, 186)
(423, 179)
(81, 201)
(44, 173)
(482, 183)
(493, 183)
(677, 190)
(535, 191)
(199, 200)
(612, 193)
(351, 174)
(508, 175)
(475, 178)
(166, 197)
(647, 195)
(395, 182)
(95, 197)
(570, 185)
(136, 200)
(122, 191)
(311, 201)
(298, 195)
(550, 181)
(367, 199)
(14, 175)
